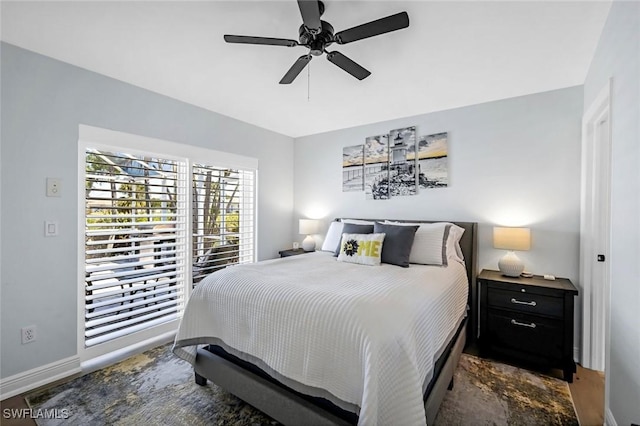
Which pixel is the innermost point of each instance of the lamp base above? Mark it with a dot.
(510, 265)
(308, 244)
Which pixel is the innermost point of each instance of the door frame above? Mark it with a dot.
(595, 298)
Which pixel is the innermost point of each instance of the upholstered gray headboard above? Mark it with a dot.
(469, 246)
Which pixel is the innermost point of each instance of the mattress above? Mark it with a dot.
(364, 335)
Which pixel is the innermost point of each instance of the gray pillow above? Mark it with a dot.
(352, 228)
(396, 248)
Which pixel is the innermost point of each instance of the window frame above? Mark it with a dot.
(109, 140)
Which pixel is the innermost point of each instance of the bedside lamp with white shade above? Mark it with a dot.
(511, 239)
(308, 227)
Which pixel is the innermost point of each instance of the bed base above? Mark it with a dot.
(291, 409)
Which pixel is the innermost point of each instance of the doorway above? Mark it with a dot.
(595, 230)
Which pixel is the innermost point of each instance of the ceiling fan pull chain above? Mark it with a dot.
(308, 83)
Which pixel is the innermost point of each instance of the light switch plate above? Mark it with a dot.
(50, 228)
(54, 187)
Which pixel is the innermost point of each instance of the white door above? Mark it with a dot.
(595, 230)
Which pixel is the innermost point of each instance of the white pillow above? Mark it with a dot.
(333, 236)
(365, 249)
(358, 221)
(455, 234)
(435, 243)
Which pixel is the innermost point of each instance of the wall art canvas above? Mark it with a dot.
(432, 161)
(402, 162)
(376, 167)
(352, 168)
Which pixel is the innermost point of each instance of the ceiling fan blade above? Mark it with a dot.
(348, 65)
(295, 69)
(260, 40)
(373, 28)
(310, 11)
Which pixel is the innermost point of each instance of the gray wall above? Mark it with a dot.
(43, 102)
(618, 56)
(513, 162)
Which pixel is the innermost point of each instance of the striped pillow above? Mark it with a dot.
(434, 243)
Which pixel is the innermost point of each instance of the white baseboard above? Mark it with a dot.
(116, 356)
(609, 420)
(40, 376)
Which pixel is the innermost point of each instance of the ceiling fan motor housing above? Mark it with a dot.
(317, 42)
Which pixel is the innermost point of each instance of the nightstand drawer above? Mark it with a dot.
(535, 335)
(526, 302)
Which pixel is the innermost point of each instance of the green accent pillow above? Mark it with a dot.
(365, 249)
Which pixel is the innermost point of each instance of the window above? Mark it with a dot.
(134, 243)
(155, 226)
(222, 231)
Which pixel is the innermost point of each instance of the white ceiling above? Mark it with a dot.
(453, 54)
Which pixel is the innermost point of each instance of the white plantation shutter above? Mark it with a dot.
(151, 223)
(223, 218)
(135, 243)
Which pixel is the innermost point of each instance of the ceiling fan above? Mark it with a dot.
(317, 35)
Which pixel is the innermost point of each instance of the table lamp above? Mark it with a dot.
(511, 239)
(308, 227)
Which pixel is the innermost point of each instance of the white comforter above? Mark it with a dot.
(366, 334)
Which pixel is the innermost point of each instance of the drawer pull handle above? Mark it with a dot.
(522, 324)
(532, 303)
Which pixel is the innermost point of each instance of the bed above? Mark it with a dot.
(362, 345)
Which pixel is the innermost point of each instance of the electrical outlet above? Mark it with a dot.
(28, 334)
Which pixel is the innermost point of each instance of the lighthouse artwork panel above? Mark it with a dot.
(376, 167)
(433, 152)
(352, 168)
(402, 162)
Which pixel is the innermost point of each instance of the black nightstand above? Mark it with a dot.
(530, 319)
(292, 252)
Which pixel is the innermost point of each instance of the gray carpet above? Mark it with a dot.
(157, 388)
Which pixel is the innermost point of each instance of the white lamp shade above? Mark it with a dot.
(511, 238)
(308, 226)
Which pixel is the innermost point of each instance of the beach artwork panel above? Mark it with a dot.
(402, 162)
(376, 167)
(433, 151)
(352, 168)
